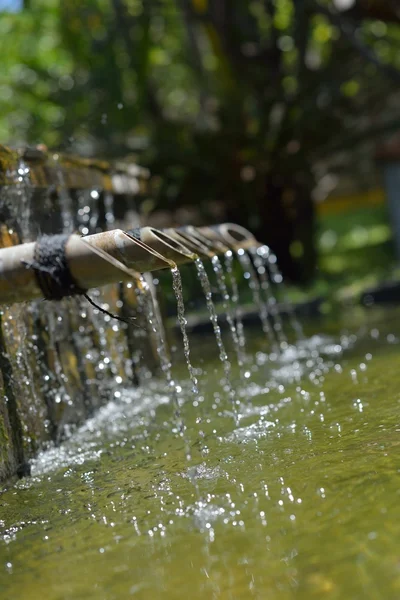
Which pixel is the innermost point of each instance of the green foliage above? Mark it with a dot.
(98, 69)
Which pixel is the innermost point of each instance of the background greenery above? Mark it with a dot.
(239, 108)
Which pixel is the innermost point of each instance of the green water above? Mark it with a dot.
(301, 500)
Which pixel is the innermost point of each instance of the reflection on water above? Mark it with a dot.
(300, 499)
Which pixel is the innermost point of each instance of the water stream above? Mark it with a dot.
(228, 385)
(146, 300)
(177, 287)
(270, 299)
(228, 260)
(271, 261)
(251, 277)
(226, 303)
(156, 326)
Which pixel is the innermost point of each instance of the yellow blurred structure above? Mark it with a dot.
(338, 204)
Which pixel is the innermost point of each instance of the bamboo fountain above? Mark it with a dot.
(72, 318)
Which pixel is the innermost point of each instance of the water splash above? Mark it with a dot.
(205, 284)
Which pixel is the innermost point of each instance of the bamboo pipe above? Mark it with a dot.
(185, 235)
(188, 242)
(129, 250)
(234, 236)
(167, 245)
(93, 261)
(89, 266)
(216, 245)
(142, 249)
(116, 255)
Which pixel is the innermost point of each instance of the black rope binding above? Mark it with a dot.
(53, 275)
(51, 268)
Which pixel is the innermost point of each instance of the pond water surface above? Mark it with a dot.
(300, 499)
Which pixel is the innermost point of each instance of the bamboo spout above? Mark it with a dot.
(191, 241)
(109, 257)
(215, 244)
(129, 250)
(230, 234)
(167, 245)
(93, 261)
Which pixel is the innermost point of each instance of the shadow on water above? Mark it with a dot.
(297, 499)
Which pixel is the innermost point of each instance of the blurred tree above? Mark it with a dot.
(231, 103)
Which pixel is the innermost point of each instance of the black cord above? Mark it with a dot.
(103, 310)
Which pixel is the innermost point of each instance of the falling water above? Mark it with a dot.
(136, 336)
(152, 296)
(226, 303)
(235, 301)
(269, 297)
(277, 278)
(205, 284)
(177, 287)
(157, 330)
(254, 284)
(146, 300)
